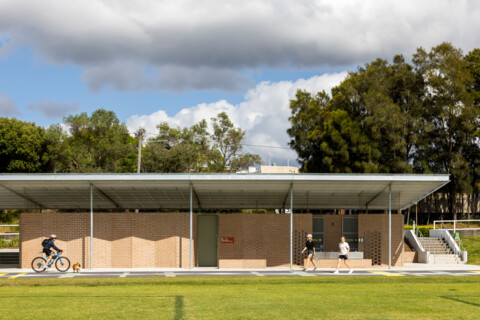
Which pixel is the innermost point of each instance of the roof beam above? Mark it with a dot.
(106, 196)
(24, 197)
(286, 195)
(196, 196)
(377, 195)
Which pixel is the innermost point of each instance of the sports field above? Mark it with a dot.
(439, 297)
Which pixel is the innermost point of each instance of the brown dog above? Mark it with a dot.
(76, 267)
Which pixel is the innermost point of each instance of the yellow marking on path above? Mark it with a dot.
(476, 271)
(2, 274)
(387, 274)
(17, 275)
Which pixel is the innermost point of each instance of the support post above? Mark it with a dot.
(91, 225)
(191, 226)
(291, 226)
(389, 226)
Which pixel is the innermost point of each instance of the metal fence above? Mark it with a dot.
(454, 225)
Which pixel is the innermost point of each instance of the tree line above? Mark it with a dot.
(101, 143)
(417, 116)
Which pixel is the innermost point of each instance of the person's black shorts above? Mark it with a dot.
(48, 252)
(342, 256)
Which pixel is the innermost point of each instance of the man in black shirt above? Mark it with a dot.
(310, 247)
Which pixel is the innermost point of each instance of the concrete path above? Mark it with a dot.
(198, 273)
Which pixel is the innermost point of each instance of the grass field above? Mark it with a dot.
(242, 298)
(472, 245)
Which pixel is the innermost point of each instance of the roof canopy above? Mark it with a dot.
(214, 191)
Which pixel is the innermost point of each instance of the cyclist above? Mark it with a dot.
(47, 249)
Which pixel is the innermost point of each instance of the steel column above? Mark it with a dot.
(191, 225)
(291, 226)
(91, 225)
(389, 226)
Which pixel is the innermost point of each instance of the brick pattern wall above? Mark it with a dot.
(261, 240)
(121, 240)
(124, 240)
(379, 222)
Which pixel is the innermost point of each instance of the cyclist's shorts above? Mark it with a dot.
(48, 252)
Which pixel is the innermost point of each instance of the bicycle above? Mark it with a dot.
(61, 263)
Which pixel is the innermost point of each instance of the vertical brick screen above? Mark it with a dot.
(379, 222)
(121, 240)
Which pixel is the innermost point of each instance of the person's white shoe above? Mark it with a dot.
(336, 272)
(350, 272)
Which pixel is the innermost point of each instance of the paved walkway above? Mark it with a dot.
(413, 270)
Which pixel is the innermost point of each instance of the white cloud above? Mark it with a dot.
(53, 109)
(7, 106)
(227, 38)
(263, 114)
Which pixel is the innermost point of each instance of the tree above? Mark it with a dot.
(245, 161)
(22, 146)
(99, 143)
(194, 149)
(453, 114)
(397, 118)
(228, 139)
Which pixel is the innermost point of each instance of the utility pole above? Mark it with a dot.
(139, 134)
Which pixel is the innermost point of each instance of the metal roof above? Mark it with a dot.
(215, 191)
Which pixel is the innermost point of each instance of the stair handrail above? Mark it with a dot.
(420, 235)
(458, 242)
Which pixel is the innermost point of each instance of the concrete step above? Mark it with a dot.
(444, 259)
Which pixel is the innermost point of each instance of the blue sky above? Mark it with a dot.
(181, 61)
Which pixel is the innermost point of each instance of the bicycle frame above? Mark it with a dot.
(54, 258)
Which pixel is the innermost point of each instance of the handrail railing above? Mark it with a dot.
(456, 251)
(420, 236)
(455, 224)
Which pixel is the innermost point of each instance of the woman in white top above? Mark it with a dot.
(343, 251)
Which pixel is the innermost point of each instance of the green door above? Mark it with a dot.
(207, 240)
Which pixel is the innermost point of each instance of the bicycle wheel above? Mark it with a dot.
(38, 264)
(62, 264)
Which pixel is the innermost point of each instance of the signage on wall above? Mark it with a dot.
(227, 240)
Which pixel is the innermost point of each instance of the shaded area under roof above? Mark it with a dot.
(215, 191)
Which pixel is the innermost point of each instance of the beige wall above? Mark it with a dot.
(261, 240)
(141, 240)
(278, 169)
(121, 240)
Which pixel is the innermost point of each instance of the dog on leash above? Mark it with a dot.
(76, 267)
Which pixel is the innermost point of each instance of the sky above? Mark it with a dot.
(182, 61)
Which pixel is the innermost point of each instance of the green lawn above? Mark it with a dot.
(242, 298)
(472, 245)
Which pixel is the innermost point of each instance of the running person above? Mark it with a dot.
(310, 246)
(48, 249)
(343, 251)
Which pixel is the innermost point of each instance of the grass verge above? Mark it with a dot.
(242, 298)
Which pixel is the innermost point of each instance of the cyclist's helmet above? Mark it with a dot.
(53, 236)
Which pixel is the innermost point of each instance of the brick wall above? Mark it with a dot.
(261, 240)
(141, 240)
(121, 240)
